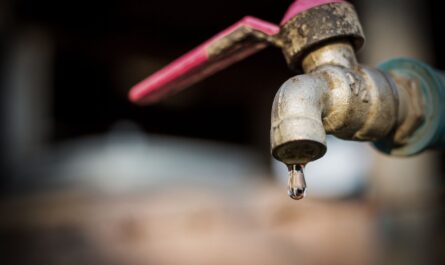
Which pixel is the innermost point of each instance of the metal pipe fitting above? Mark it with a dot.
(337, 97)
(422, 93)
(318, 26)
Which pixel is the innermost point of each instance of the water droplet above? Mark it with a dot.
(297, 183)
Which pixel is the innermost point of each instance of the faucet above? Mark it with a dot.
(396, 106)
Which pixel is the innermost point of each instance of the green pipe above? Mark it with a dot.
(431, 133)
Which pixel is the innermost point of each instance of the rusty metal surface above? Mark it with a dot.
(238, 40)
(413, 108)
(316, 26)
(422, 92)
(337, 96)
(399, 108)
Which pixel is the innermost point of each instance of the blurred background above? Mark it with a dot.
(89, 178)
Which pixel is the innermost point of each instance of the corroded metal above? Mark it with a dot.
(422, 92)
(412, 108)
(242, 40)
(337, 96)
(316, 26)
(400, 109)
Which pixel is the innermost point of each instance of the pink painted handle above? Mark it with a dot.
(237, 42)
(224, 49)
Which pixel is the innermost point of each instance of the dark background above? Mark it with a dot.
(100, 49)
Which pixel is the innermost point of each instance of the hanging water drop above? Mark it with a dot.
(297, 183)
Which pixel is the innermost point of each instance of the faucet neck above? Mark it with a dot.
(334, 54)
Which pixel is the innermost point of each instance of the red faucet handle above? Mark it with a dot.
(237, 42)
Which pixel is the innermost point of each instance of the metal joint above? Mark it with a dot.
(317, 26)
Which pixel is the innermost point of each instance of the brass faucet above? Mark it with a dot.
(397, 106)
(338, 96)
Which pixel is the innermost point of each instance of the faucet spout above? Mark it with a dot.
(297, 133)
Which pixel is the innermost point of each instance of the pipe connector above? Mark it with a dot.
(317, 26)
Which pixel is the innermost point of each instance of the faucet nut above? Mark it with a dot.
(313, 27)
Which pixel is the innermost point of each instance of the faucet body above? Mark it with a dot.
(397, 106)
(335, 96)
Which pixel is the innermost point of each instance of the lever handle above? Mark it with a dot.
(244, 38)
